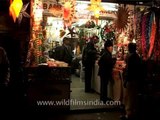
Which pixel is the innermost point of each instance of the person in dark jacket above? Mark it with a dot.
(64, 52)
(4, 68)
(4, 80)
(89, 57)
(106, 64)
(132, 80)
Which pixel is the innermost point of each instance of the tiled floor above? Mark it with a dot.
(78, 95)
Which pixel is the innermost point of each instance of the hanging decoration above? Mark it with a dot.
(143, 38)
(152, 34)
(68, 12)
(137, 24)
(72, 32)
(148, 34)
(23, 13)
(62, 33)
(15, 8)
(95, 7)
(122, 20)
(107, 32)
(37, 38)
(90, 24)
(157, 44)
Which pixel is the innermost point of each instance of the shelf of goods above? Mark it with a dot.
(49, 87)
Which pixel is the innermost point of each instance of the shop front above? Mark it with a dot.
(78, 21)
(52, 21)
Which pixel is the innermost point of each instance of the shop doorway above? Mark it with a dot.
(55, 31)
(80, 100)
(78, 94)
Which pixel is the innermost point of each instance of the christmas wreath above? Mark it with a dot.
(107, 33)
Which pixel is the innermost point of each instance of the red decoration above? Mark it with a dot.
(68, 12)
(152, 38)
(107, 30)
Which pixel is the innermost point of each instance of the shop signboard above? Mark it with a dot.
(47, 5)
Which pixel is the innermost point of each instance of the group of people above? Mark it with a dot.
(106, 62)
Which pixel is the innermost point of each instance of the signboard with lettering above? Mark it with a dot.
(47, 5)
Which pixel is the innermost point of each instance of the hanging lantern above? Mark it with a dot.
(95, 7)
(96, 13)
(97, 2)
(15, 8)
(68, 12)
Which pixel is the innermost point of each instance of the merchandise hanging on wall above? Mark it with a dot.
(23, 13)
(148, 34)
(156, 50)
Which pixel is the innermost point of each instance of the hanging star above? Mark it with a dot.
(95, 7)
(71, 32)
(15, 8)
(23, 13)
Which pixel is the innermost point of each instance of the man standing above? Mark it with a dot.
(132, 81)
(89, 57)
(4, 80)
(106, 64)
(4, 68)
(64, 52)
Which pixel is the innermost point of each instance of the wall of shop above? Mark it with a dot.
(14, 38)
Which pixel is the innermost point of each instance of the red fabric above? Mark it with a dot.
(152, 37)
(157, 45)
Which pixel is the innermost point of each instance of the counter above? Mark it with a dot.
(115, 89)
(48, 84)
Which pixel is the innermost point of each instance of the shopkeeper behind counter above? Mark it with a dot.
(64, 52)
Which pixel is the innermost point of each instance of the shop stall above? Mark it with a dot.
(52, 21)
(140, 28)
(79, 21)
(48, 79)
